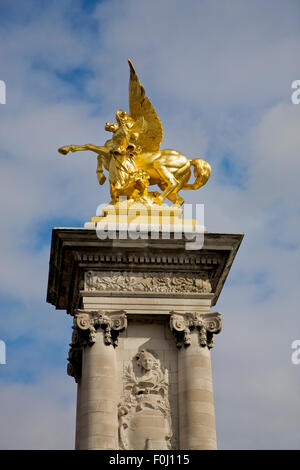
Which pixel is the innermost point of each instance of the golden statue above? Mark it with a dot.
(133, 157)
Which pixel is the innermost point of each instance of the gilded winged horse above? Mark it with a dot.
(133, 156)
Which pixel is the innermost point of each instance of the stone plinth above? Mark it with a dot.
(142, 334)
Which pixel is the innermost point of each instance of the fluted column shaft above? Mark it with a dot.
(97, 423)
(197, 428)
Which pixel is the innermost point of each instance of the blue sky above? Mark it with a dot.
(219, 74)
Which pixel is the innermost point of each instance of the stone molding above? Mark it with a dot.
(152, 282)
(182, 324)
(84, 333)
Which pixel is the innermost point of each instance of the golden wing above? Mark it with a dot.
(140, 107)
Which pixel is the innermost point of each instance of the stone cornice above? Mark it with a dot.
(75, 251)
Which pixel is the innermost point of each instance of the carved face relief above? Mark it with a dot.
(147, 361)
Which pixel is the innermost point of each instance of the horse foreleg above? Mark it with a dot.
(100, 149)
(100, 175)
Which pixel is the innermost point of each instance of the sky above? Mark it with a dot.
(219, 73)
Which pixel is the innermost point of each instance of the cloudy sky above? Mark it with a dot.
(219, 73)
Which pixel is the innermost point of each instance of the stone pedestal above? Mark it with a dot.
(142, 334)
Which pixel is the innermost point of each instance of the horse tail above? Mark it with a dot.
(202, 171)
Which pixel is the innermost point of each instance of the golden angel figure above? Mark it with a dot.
(133, 157)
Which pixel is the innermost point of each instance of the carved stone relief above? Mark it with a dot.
(207, 325)
(168, 282)
(144, 412)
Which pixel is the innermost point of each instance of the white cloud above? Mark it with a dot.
(275, 149)
(38, 416)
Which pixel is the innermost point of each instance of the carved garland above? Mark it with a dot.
(208, 325)
(84, 333)
(165, 282)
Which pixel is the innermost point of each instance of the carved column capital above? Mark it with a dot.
(84, 333)
(208, 324)
(111, 322)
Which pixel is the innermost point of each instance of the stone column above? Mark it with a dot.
(93, 363)
(194, 333)
(77, 436)
(98, 419)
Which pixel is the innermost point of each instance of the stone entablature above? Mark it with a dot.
(75, 252)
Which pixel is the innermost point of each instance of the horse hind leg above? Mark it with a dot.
(173, 197)
(168, 181)
(185, 176)
(176, 199)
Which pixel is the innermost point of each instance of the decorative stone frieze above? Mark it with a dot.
(157, 282)
(84, 333)
(207, 325)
